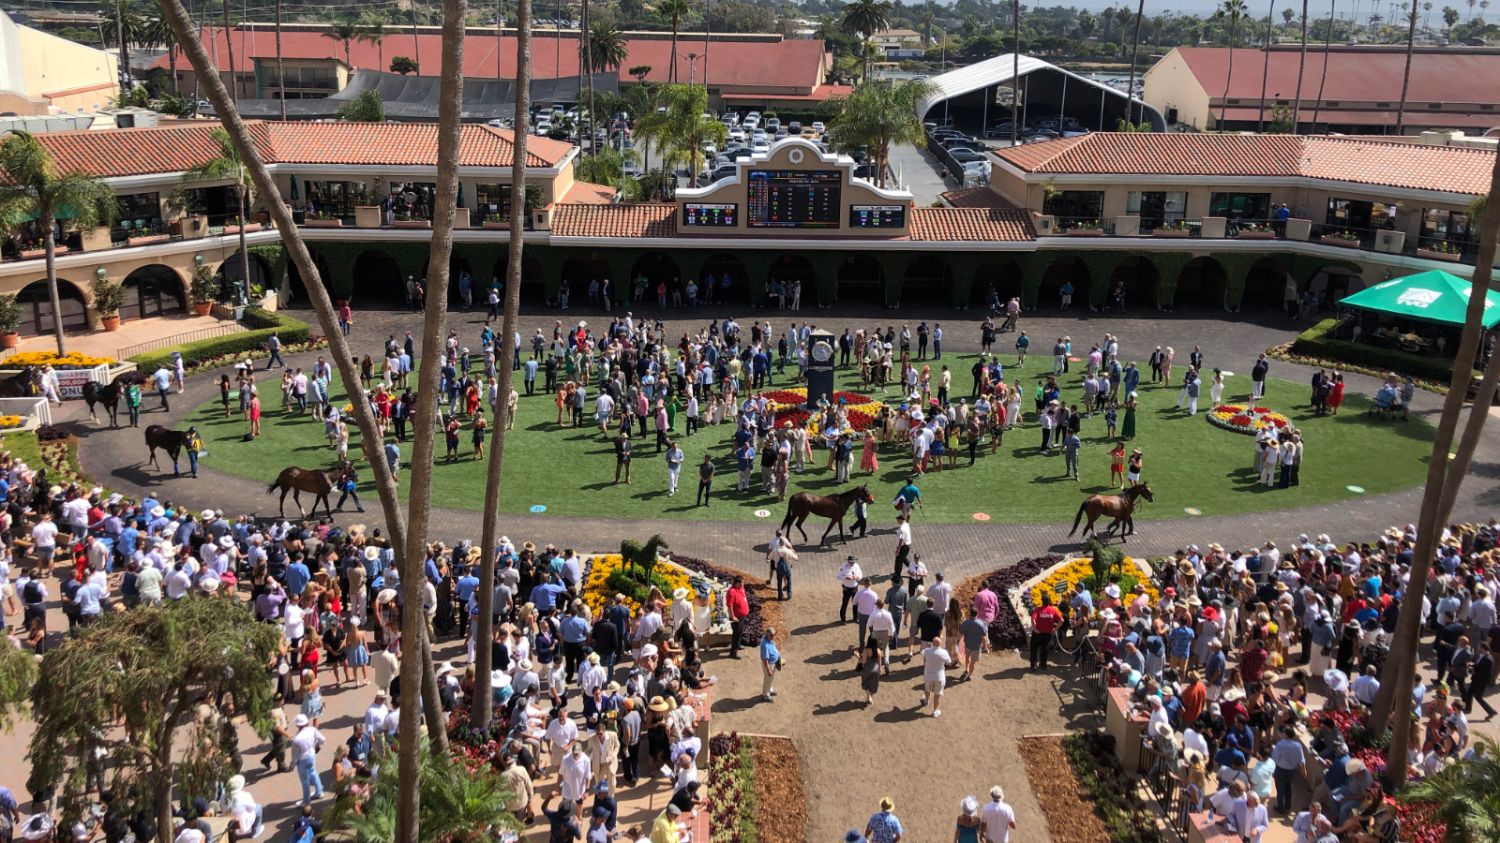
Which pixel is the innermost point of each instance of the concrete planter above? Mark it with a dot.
(36, 254)
(1446, 257)
(96, 239)
(367, 216)
(1127, 225)
(193, 227)
(1171, 233)
(1213, 227)
(323, 223)
(1298, 229)
(1341, 242)
(1255, 235)
(412, 224)
(235, 229)
(461, 218)
(148, 239)
(1390, 242)
(495, 226)
(1085, 232)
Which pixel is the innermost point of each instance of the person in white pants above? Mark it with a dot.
(674, 467)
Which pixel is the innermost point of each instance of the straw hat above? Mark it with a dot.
(372, 552)
(680, 594)
(658, 705)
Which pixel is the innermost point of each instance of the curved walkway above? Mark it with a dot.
(116, 458)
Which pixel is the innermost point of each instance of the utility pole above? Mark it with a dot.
(692, 60)
(124, 54)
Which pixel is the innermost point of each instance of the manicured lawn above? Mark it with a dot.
(1189, 463)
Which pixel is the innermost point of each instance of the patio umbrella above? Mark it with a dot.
(1433, 296)
(293, 195)
(460, 194)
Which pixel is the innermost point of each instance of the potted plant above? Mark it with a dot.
(108, 296)
(203, 288)
(1440, 250)
(232, 226)
(495, 221)
(10, 319)
(321, 219)
(1344, 238)
(1086, 228)
(1255, 231)
(1176, 229)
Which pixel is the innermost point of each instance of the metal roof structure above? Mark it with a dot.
(415, 98)
(1000, 70)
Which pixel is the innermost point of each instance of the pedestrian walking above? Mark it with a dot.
(770, 665)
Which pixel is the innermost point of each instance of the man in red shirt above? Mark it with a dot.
(1194, 697)
(1045, 619)
(738, 606)
(1253, 661)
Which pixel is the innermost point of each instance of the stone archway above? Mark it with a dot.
(152, 290)
(796, 267)
(379, 281)
(1266, 285)
(656, 268)
(232, 269)
(1202, 283)
(533, 281)
(1064, 270)
(860, 281)
(36, 308)
(711, 278)
(1141, 281)
(929, 280)
(296, 287)
(999, 275)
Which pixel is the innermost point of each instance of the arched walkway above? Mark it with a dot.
(533, 281)
(1064, 270)
(928, 281)
(297, 287)
(1140, 279)
(861, 280)
(36, 308)
(458, 265)
(719, 265)
(793, 267)
(656, 268)
(153, 290)
(1266, 284)
(1333, 282)
(1002, 276)
(579, 270)
(260, 272)
(378, 281)
(1202, 284)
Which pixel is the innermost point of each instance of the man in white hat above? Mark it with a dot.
(997, 818)
(305, 745)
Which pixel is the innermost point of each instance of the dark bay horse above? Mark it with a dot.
(20, 385)
(1120, 507)
(109, 395)
(317, 481)
(833, 508)
(171, 441)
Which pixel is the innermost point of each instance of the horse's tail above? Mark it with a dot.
(276, 484)
(1078, 519)
(790, 512)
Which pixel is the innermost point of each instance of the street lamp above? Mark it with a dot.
(692, 60)
(101, 273)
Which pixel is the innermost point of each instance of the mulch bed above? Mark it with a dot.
(1070, 814)
(1006, 631)
(778, 783)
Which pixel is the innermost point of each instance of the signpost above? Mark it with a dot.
(820, 362)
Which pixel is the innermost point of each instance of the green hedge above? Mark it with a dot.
(261, 324)
(1318, 341)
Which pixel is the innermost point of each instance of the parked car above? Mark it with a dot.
(793, 127)
(760, 147)
(809, 133)
(631, 169)
(964, 156)
(773, 123)
(737, 135)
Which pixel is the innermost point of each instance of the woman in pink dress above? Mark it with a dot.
(867, 460)
(1336, 395)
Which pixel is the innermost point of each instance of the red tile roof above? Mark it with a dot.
(588, 193)
(795, 65)
(632, 221)
(822, 94)
(1363, 74)
(1365, 161)
(1415, 117)
(970, 224)
(167, 149)
(976, 197)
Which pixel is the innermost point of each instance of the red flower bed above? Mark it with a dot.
(852, 398)
(1418, 823)
(796, 417)
(785, 396)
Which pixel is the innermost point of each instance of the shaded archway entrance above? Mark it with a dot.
(1266, 286)
(1059, 272)
(928, 282)
(578, 271)
(533, 281)
(378, 281)
(458, 267)
(36, 308)
(656, 268)
(232, 268)
(1202, 285)
(997, 275)
(714, 271)
(1332, 283)
(1139, 277)
(861, 281)
(793, 267)
(153, 290)
(296, 287)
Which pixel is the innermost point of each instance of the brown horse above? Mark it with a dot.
(1120, 507)
(109, 395)
(173, 442)
(833, 508)
(318, 481)
(20, 385)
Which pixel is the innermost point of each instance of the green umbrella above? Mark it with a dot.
(460, 194)
(1434, 296)
(294, 196)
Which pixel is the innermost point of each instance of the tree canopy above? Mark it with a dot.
(368, 107)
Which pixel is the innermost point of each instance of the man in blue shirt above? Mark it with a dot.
(297, 577)
(575, 633)
(544, 595)
(162, 380)
(464, 589)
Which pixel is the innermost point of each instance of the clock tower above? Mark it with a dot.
(820, 361)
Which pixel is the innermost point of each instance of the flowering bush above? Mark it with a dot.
(1006, 631)
(1067, 577)
(71, 360)
(787, 406)
(1247, 420)
(7, 422)
(607, 575)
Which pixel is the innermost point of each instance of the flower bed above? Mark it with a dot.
(1248, 420)
(787, 406)
(1105, 785)
(745, 772)
(71, 360)
(1062, 579)
(8, 422)
(606, 575)
(1419, 822)
(1006, 630)
(754, 624)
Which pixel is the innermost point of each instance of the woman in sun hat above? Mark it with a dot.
(967, 826)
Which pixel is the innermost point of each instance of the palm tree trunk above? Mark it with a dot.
(419, 501)
(1301, 68)
(240, 191)
(1265, 70)
(1135, 46)
(280, 71)
(482, 710)
(1411, 38)
(416, 43)
(124, 50)
(49, 234)
(172, 68)
(1229, 75)
(234, 90)
(587, 66)
(1015, 72)
(672, 63)
(1323, 80)
(432, 705)
(1394, 705)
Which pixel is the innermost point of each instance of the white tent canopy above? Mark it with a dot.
(1000, 70)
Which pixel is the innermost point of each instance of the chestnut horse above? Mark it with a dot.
(317, 481)
(1120, 507)
(833, 508)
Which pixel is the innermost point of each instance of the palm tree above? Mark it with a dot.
(675, 11)
(280, 69)
(1484, 6)
(372, 29)
(1087, 23)
(607, 46)
(1287, 15)
(227, 165)
(457, 804)
(1427, 17)
(925, 19)
(680, 131)
(878, 116)
(1234, 9)
(1471, 8)
(1411, 40)
(1301, 68)
(156, 33)
(234, 92)
(1015, 78)
(121, 22)
(1450, 19)
(1323, 79)
(346, 31)
(865, 18)
(32, 188)
(481, 714)
(1465, 795)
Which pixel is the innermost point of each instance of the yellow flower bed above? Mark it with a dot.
(597, 591)
(72, 360)
(8, 422)
(1063, 580)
